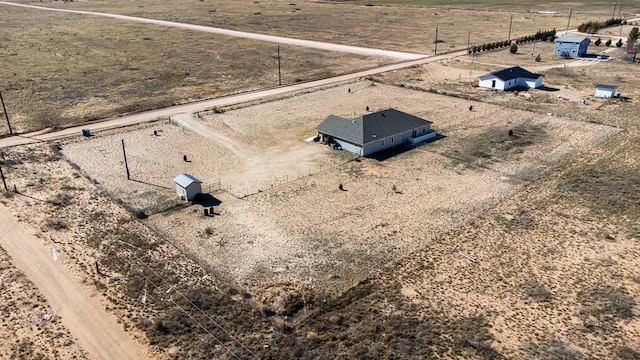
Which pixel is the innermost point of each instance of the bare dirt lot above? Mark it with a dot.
(300, 230)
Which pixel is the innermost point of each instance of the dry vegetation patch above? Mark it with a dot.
(67, 68)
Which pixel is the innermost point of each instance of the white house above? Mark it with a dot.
(374, 132)
(605, 91)
(187, 186)
(509, 78)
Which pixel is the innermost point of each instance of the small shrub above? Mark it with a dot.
(56, 224)
(513, 49)
(619, 43)
(608, 43)
(597, 42)
(538, 58)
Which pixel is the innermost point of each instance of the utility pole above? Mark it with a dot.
(620, 10)
(126, 164)
(569, 21)
(279, 73)
(469, 43)
(435, 51)
(510, 22)
(3, 181)
(613, 16)
(6, 117)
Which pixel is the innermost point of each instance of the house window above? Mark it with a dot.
(382, 142)
(424, 130)
(392, 139)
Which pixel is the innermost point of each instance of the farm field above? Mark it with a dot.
(479, 245)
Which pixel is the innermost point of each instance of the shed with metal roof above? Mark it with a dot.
(187, 186)
(605, 91)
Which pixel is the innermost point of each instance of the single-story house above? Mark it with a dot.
(187, 186)
(571, 46)
(510, 78)
(374, 132)
(605, 91)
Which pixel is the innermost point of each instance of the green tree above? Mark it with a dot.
(619, 43)
(513, 49)
(598, 42)
(608, 43)
(634, 34)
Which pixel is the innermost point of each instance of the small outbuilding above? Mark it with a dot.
(370, 133)
(571, 46)
(187, 186)
(510, 78)
(631, 54)
(605, 91)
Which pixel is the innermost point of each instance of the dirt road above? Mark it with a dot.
(262, 37)
(209, 104)
(97, 331)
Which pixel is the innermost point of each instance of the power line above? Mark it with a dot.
(191, 303)
(191, 317)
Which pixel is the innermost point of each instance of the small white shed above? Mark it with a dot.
(605, 91)
(187, 186)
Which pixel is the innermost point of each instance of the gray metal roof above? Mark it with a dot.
(370, 127)
(607, 87)
(184, 180)
(511, 73)
(570, 39)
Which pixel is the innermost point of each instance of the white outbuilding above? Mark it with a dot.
(187, 186)
(605, 91)
(510, 78)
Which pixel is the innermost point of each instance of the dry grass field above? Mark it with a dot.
(63, 69)
(479, 245)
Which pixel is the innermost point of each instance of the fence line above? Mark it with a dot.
(244, 191)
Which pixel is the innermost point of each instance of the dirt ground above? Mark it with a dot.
(30, 327)
(413, 229)
(295, 227)
(477, 245)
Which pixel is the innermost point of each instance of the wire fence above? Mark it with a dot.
(241, 191)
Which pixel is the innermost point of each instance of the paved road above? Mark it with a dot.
(208, 104)
(242, 34)
(97, 331)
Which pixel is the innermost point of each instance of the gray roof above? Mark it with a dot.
(370, 127)
(511, 73)
(570, 39)
(184, 180)
(604, 86)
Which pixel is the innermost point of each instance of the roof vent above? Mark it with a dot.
(353, 121)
